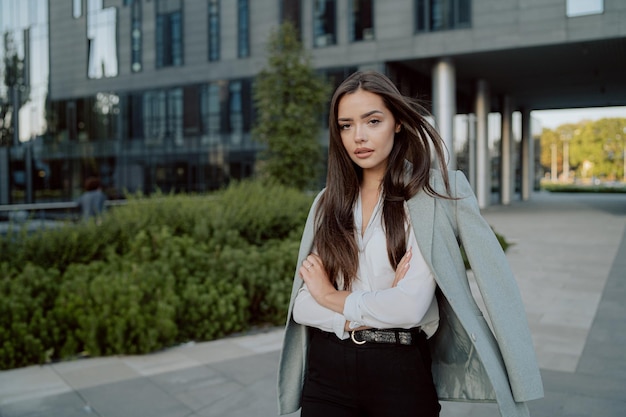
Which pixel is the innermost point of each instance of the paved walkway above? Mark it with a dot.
(570, 261)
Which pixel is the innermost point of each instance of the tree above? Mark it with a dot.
(289, 98)
(596, 148)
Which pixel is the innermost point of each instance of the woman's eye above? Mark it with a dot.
(344, 127)
(374, 121)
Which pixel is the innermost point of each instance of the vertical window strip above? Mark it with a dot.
(136, 36)
(324, 24)
(169, 33)
(362, 20)
(77, 8)
(214, 30)
(243, 29)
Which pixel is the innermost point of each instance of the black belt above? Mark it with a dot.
(405, 337)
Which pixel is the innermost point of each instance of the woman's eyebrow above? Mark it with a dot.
(363, 116)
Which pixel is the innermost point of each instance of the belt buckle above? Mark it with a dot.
(358, 342)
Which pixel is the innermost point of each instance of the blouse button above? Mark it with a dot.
(473, 337)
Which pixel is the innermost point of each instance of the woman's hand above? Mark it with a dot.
(318, 283)
(403, 267)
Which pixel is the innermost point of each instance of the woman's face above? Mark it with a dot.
(367, 129)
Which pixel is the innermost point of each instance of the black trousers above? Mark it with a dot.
(374, 379)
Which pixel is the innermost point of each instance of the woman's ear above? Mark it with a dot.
(398, 127)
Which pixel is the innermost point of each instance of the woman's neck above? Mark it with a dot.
(371, 182)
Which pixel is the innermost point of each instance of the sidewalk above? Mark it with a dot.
(569, 258)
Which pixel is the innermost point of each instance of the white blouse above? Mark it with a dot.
(373, 302)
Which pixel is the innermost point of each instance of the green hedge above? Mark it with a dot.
(157, 272)
(582, 188)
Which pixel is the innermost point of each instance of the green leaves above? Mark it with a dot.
(595, 148)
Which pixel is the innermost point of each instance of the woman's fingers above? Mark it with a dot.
(403, 267)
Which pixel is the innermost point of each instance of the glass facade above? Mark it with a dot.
(169, 33)
(324, 23)
(436, 15)
(361, 20)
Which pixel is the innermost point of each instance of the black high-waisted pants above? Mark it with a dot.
(374, 379)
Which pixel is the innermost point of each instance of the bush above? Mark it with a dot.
(158, 271)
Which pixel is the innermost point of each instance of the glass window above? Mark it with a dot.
(136, 37)
(175, 115)
(77, 8)
(290, 10)
(243, 29)
(435, 15)
(214, 30)
(584, 7)
(324, 23)
(169, 34)
(235, 112)
(154, 117)
(135, 116)
(102, 40)
(211, 110)
(362, 20)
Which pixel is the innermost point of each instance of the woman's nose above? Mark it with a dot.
(359, 134)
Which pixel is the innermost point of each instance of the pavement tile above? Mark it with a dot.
(216, 351)
(250, 369)
(68, 404)
(30, 382)
(160, 362)
(96, 373)
(134, 397)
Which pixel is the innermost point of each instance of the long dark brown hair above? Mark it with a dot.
(407, 173)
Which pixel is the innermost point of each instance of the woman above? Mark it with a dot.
(382, 321)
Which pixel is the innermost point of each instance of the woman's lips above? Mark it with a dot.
(363, 153)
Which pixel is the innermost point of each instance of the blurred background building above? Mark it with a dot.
(157, 94)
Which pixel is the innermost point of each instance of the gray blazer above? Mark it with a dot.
(470, 362)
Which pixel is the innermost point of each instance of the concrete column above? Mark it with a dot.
(483, 161)
(506, 152)
(528, 156)
(444, 104)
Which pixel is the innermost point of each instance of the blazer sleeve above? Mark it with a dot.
(500, 293)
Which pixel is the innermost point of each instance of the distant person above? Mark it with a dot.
(91, 203)
(382, 321)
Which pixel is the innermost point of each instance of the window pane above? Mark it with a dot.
(236, 113)
(176, 32)
(324, 24)
(584, 7)
(136, 36)
(175, 115)
(243, 27)
(169, 34)
(362, 27)
(290, 10)
(77, 8)
(214, 30)
(102, 40)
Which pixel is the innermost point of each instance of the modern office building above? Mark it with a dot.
(157, 94)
